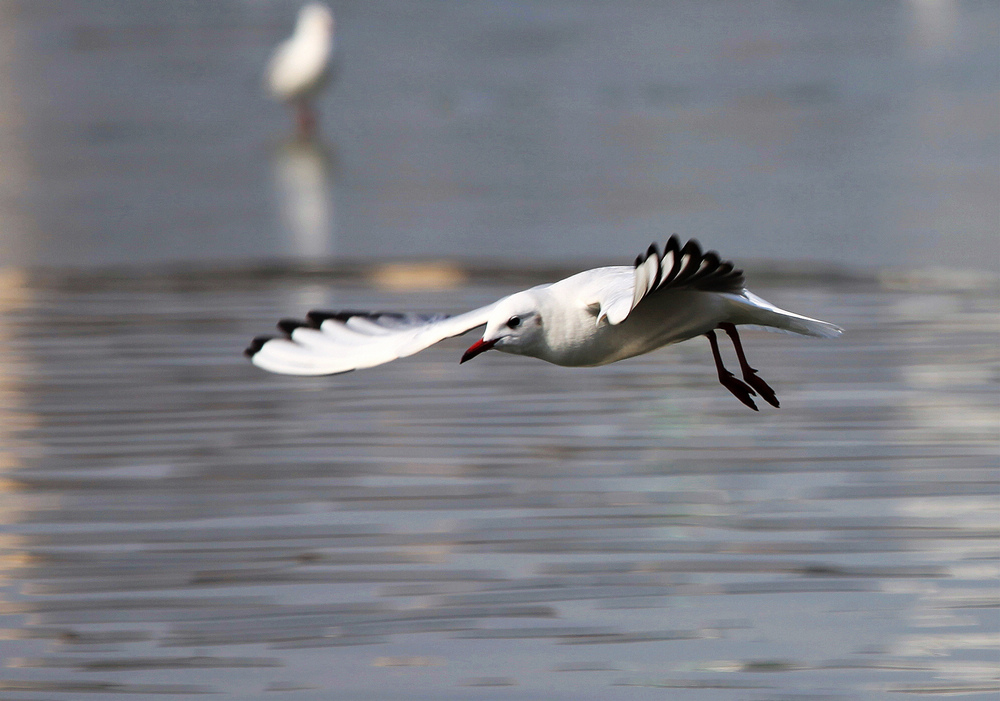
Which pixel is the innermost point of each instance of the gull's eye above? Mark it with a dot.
(513, 322)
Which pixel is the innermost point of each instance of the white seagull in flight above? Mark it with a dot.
(300, 67)
(592, 318)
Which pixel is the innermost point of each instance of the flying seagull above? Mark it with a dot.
(592, 318)
(300, 67)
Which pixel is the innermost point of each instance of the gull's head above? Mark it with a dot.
(514, 326)
(315, 17)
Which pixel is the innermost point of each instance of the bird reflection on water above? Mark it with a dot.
(304, 183)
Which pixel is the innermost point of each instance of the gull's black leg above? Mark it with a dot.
(749, 374)
(742, 391)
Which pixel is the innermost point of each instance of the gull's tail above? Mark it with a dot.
(755, 311)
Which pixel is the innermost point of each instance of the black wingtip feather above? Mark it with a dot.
(255, 345)
(693, 252)
(653, 250)
(708, 265)
(316, 317)
(690, 267)
(286, 326)
(692, 248)
(673, 249)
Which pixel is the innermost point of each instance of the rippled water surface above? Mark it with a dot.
(175, 522)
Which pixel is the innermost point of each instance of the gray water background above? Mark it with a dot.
(174, 522)
(857, 135)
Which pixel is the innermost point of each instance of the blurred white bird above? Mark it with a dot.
(592, 318)
(300, 67)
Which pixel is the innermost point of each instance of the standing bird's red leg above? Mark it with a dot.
(305, 119)
(741, 391)
(749, 374)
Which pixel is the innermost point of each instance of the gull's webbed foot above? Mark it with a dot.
(750, 375)
(740, 389)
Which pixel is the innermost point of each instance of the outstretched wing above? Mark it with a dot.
(676, 268)
(327, 343)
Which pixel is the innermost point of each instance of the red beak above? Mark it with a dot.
(477, 348)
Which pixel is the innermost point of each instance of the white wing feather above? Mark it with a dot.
(358, 342)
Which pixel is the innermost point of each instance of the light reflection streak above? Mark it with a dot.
(304, 184)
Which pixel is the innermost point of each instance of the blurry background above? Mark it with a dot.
(175, 522)
(136, 131)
